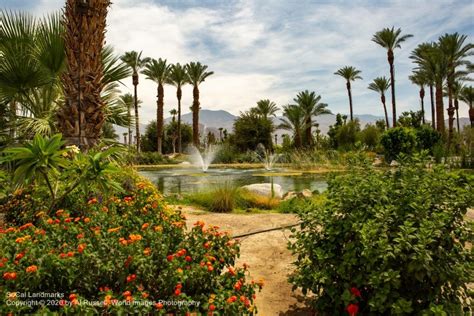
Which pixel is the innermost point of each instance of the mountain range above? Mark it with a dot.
(212, 120)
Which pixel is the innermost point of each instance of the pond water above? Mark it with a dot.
(182, 181)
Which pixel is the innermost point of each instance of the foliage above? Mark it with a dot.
(411, 119)
(112, 256)
(427, 138)
(370, 136)
(398, 140)
(149, 139)
(390, 243)
(251, 129)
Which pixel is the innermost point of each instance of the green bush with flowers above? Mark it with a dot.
(388, 243)
(121, 252)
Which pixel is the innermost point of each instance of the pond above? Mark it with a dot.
(186, 180)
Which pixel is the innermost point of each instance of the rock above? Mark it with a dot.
(289, 195)
(394, 163)
(265, 189)
(306, 193)
(185, 163)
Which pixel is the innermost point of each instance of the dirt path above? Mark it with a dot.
(266, 254)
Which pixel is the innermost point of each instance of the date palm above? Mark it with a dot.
(380, 85)
(433, 62)
(293, 120)
(467, 96)
(350, 74)
(311, 106)
(455, 52)
(266, 108)
(418, 78)
(127, 101)
(173, 113)
(158, 71)
(196, 74)
(389, 38)
(177, 78)
(135, 61)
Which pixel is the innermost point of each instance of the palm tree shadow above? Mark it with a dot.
(299, 309)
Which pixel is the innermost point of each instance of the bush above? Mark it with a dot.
(388, 243)
(149, 158)
(224, 199)
(398, 140)
(427, 138)
(127, 248)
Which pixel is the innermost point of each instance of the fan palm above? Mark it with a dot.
(380, 85)
(294, 120)
(389, 38)
(197, 73)
(310, 104)
(455, 52)
(135, 61)
(177, 78)
(467, 96)
(419, 78)
(158, 71)
(350, 74)
(266, 108)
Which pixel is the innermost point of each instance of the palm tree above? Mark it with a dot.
(350, 74)
(173, 112)
(220, 133)
(127, 101)
(177, 77)
(467, 96)
(456, 89)
(380, 85)
(135, 61)
(81, 118)
(158, 71)
(418, 78)
(266, 108)
(196, 75)
(455, 52)
(310, 104)
(390, 39)
(293, 120)
(433, 62)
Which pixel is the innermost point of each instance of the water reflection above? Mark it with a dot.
(189, 180)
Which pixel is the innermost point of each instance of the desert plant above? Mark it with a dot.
(398, 140)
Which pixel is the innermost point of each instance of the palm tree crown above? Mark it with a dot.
(178, 77)
(266, 108)
(135, 61)
(390, 38)
(293, 120)
(350, 74)
(381, 85)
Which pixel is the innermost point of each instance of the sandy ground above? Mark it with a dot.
(265, 253)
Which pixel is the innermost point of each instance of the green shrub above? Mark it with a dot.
(389, 242)
(398, 140)
(149, 158)
(224, 199)
(127, 248)
(427, 138)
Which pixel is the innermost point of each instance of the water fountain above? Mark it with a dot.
(203, 159)
(267, 157)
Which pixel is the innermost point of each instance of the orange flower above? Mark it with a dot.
(26, 226)
(20, 240)
(92, 201)
(72, 297)
(19, 256)
(145, 295)
(59, 212)
(70, 254)
(9, 275)
(79, 236)
(147, 251)
(145, 226)
(87, 220)
(127, 198)
(127, 293)
(232, 299)
(81, 248)
(134, 237)
(199, 223)
(158, 306)
(158, 228)
(231, 271)
(50, 221)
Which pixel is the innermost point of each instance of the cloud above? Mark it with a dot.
(261, 49)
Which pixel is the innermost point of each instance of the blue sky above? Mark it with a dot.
(274, 49)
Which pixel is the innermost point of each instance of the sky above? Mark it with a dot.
(272, 49)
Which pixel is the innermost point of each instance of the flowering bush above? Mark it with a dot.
(127, 253)
(388, 243)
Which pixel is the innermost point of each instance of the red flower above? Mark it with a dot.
(355, 291)
(32, 269)
(81, 248)
(212, 307)
(188, 259)
(131, 278)
(9, 276)
(177, 292)
(159, 306)
(352, 309)
(72, 297)
(127, 293)
(169, 258)
(19, 256)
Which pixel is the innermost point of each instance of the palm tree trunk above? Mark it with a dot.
(422, 96)
(298, 141)
(450, 107)
(179, 94)
(196, 116)
(309, 136)
(12, 120)
(135, 100)
(382, 98)
(471, 114)
(456, 106)
(348, 85)
(391, 58)
(129, 127)
(439, 108)
(159, 119)
(433, 114)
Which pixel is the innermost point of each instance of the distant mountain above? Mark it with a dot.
(212, 120)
